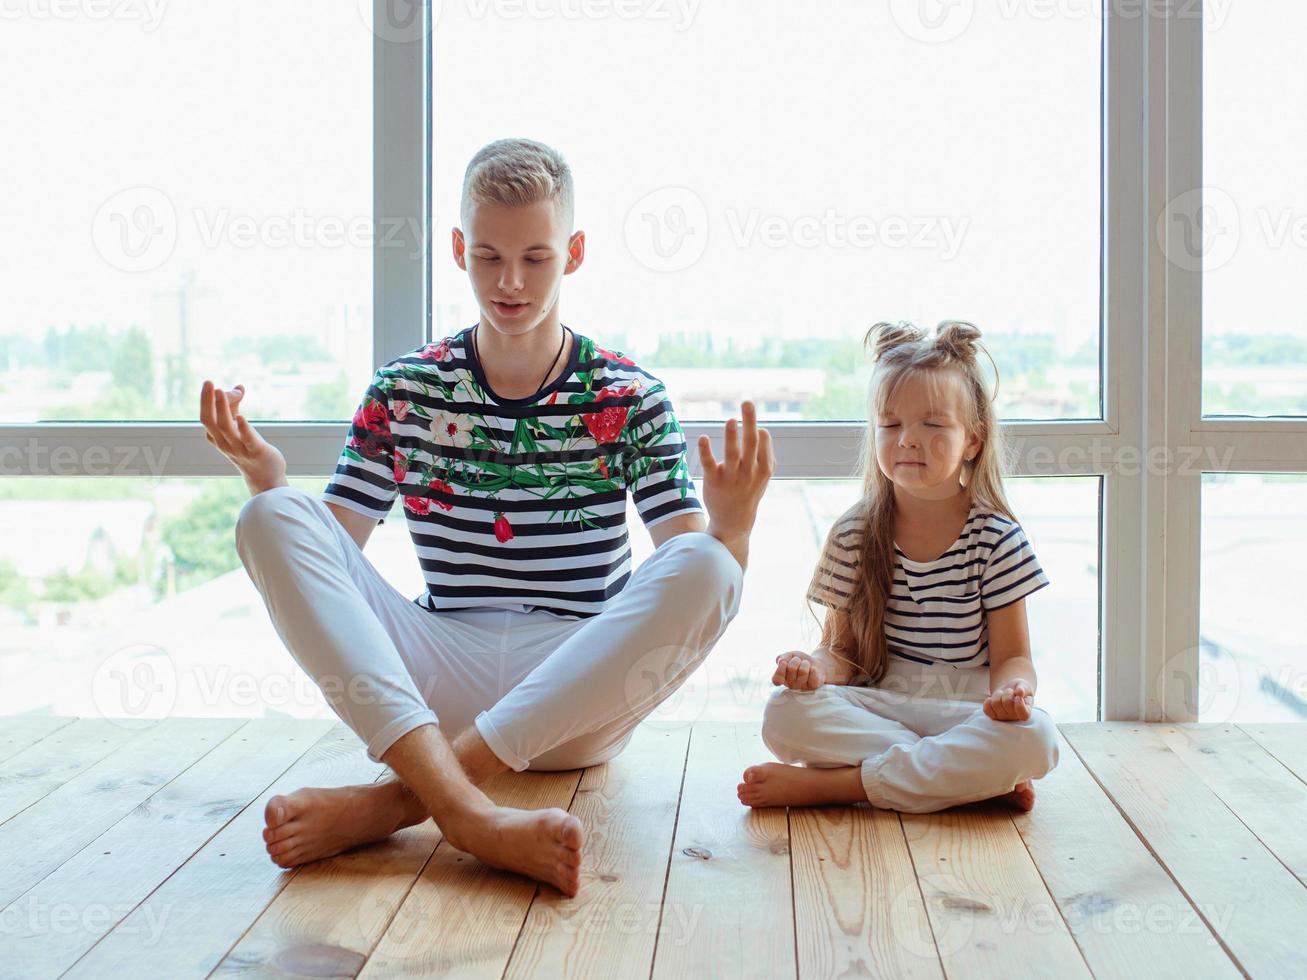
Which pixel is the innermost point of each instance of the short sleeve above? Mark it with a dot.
(364, 480)
(1012, 571)
(654, 464)
(833, 582)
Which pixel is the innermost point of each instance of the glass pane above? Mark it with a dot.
(1252, 240)
(1059, 515)
(187, 194)
(126, 599)
(823, 167)
(1252, 656)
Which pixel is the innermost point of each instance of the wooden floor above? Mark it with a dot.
(1153, 851)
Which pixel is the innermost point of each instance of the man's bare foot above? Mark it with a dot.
(310, 823)
(1022, 796)
(541, 844)
(776, 784)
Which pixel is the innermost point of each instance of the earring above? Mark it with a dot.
(967, 464)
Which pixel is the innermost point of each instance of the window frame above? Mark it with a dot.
(1150, 357)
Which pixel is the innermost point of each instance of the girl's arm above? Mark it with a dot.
(836, 634)
(1011, 671)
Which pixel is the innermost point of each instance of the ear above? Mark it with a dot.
(575, 252)
(460, 249)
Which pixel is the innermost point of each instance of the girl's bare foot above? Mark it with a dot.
(310, 823)
(776, 784)
(541, 844)
(1022, 796)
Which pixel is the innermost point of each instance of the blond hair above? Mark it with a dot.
(902, 351)
(513, 172)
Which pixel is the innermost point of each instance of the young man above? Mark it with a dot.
(513, 444)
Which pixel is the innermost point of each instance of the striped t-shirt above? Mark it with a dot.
(516, 503)
(936, 612)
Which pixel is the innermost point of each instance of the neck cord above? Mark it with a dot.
(540, 387)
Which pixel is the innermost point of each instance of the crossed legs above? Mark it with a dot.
(368, 649)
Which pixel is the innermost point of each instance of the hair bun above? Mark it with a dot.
(958, 337)
(885, 336)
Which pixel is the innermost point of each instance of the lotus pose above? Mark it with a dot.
(921, 694)
(514, 445)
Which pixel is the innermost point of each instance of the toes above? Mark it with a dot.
(569, 833)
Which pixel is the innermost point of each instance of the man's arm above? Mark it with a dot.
(680, 524)
(357, 526)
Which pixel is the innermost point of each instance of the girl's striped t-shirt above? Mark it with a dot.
(937, 609)
(516, 503)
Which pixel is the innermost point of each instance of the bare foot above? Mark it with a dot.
(541, 844)
(1022, 796)
(776, 784)
(310, 823)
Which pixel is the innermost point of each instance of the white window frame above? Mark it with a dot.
(1151, 357)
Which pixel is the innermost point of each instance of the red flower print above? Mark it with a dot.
(400, 411)
(606, 424)
(603, 468)
(437, 352)
(417, 505)
(503, 530)
(400, 460)
(373, 417)
(443, 487)
(608, 355)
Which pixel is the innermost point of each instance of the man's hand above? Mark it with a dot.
(260, 462)
(1011, 702)
(733, 488)
(799, 671)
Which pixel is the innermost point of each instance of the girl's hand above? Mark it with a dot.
(1011, 702)
(260, 462)
(799, 671)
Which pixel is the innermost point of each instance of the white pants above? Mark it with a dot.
(545, 691)
(921, 737)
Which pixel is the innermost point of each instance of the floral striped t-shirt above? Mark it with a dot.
(516, 503)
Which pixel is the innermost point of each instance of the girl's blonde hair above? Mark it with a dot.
(902, 351)
(513, 172)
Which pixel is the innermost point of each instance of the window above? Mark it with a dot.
(185, 197)
(1015, 175)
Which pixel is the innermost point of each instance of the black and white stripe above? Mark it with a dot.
(936, 612)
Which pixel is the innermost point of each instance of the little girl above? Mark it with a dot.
(921, 694)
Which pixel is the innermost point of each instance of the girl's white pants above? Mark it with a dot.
(921, 738)
(545, 691)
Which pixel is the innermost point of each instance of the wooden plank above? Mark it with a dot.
(32, 773)
(1125, 912)
(331, 914)
(17, 732)
(1253, 904)
(1287, 741)
(989, 910)
(95, 888)
(186, 925)
(1269, 799)
(46, 834)
(857, 906)
(628, 809)
(462, 918)
(725, 849)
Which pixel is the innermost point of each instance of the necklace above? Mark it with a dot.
(540, 387)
